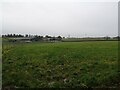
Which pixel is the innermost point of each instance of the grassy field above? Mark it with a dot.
(60, 64)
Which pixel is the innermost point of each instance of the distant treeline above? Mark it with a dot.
(27, 35)
(14, 35)
(48, 37)
(33, 37)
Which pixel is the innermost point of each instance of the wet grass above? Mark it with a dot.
(60, 64)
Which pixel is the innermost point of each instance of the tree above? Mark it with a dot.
(48, 36)
(26, 35)
(107, 38)
(59, 38)
(14, 35)
(37, 38)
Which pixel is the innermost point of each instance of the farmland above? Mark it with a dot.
(60, 64)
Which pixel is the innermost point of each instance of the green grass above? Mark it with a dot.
(60, 64)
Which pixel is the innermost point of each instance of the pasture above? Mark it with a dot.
(60, 64)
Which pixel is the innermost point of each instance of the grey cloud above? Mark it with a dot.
(75, 19)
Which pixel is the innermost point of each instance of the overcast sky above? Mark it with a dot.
(76, 18)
